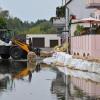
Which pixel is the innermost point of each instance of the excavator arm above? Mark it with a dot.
(23, 46)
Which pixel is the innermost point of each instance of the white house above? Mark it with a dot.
(93, 3)
(44, 40)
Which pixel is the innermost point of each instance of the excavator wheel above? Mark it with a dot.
(5, 56)
(24, 56)
(16, 52)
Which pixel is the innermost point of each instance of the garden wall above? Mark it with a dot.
(86, 45)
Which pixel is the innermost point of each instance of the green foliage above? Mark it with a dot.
(20, 27)
(43, 28)
(79, 30)
(14, 23)
(60, 11)
(3, 23)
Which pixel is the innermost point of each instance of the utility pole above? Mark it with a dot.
(67, 16)
(62, 2)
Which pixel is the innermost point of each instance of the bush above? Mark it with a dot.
(79, 30)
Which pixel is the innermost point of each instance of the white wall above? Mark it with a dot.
(97, 14)
(47, 37)
(78, 8)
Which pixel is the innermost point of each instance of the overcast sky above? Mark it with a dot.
(32, 10)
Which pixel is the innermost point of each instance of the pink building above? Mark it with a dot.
(87, 45)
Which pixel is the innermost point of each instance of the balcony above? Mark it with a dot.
(93, 3)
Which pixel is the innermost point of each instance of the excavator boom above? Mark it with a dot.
(23, 46)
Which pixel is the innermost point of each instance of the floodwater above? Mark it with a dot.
(18, 82)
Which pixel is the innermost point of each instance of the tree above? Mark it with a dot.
(60, 11)
(3, 23)
(79, 30)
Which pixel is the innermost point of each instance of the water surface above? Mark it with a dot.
(18, 82)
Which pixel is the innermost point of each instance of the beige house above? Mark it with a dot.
(44, 40)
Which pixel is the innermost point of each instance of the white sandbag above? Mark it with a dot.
(61, 56)
(68, 61)
(84, 65)
(96, 67)
(49, 60)
(74, 62)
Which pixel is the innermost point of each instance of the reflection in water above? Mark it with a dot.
(24, 82)
(8, 69)
(30, 76)
(38, 68)
(27, 71)
(11, 70)
(87, 88)
(58, 86)
(75, 89)
(64, 87)
(3, 83)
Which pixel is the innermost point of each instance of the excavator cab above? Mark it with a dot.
(6, 35)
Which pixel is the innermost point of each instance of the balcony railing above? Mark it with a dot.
(93, 3)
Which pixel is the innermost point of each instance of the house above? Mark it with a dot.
(43, 40)
(93, 4)
(61, 23)
(87, 45)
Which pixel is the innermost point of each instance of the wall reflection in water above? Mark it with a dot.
(85, 88)
(75, 88)
(58, 86)
(64, 87)
(12, 70)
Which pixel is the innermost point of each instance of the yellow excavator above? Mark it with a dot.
(19, 49)
(11, 46)
(23, 46)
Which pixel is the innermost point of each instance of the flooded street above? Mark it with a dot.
(42, 83)
(31, 86)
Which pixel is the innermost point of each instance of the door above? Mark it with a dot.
(38, 42)
(53, 43)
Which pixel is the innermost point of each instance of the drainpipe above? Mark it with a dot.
(67, 24)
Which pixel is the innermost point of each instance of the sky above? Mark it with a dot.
(32, 10)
